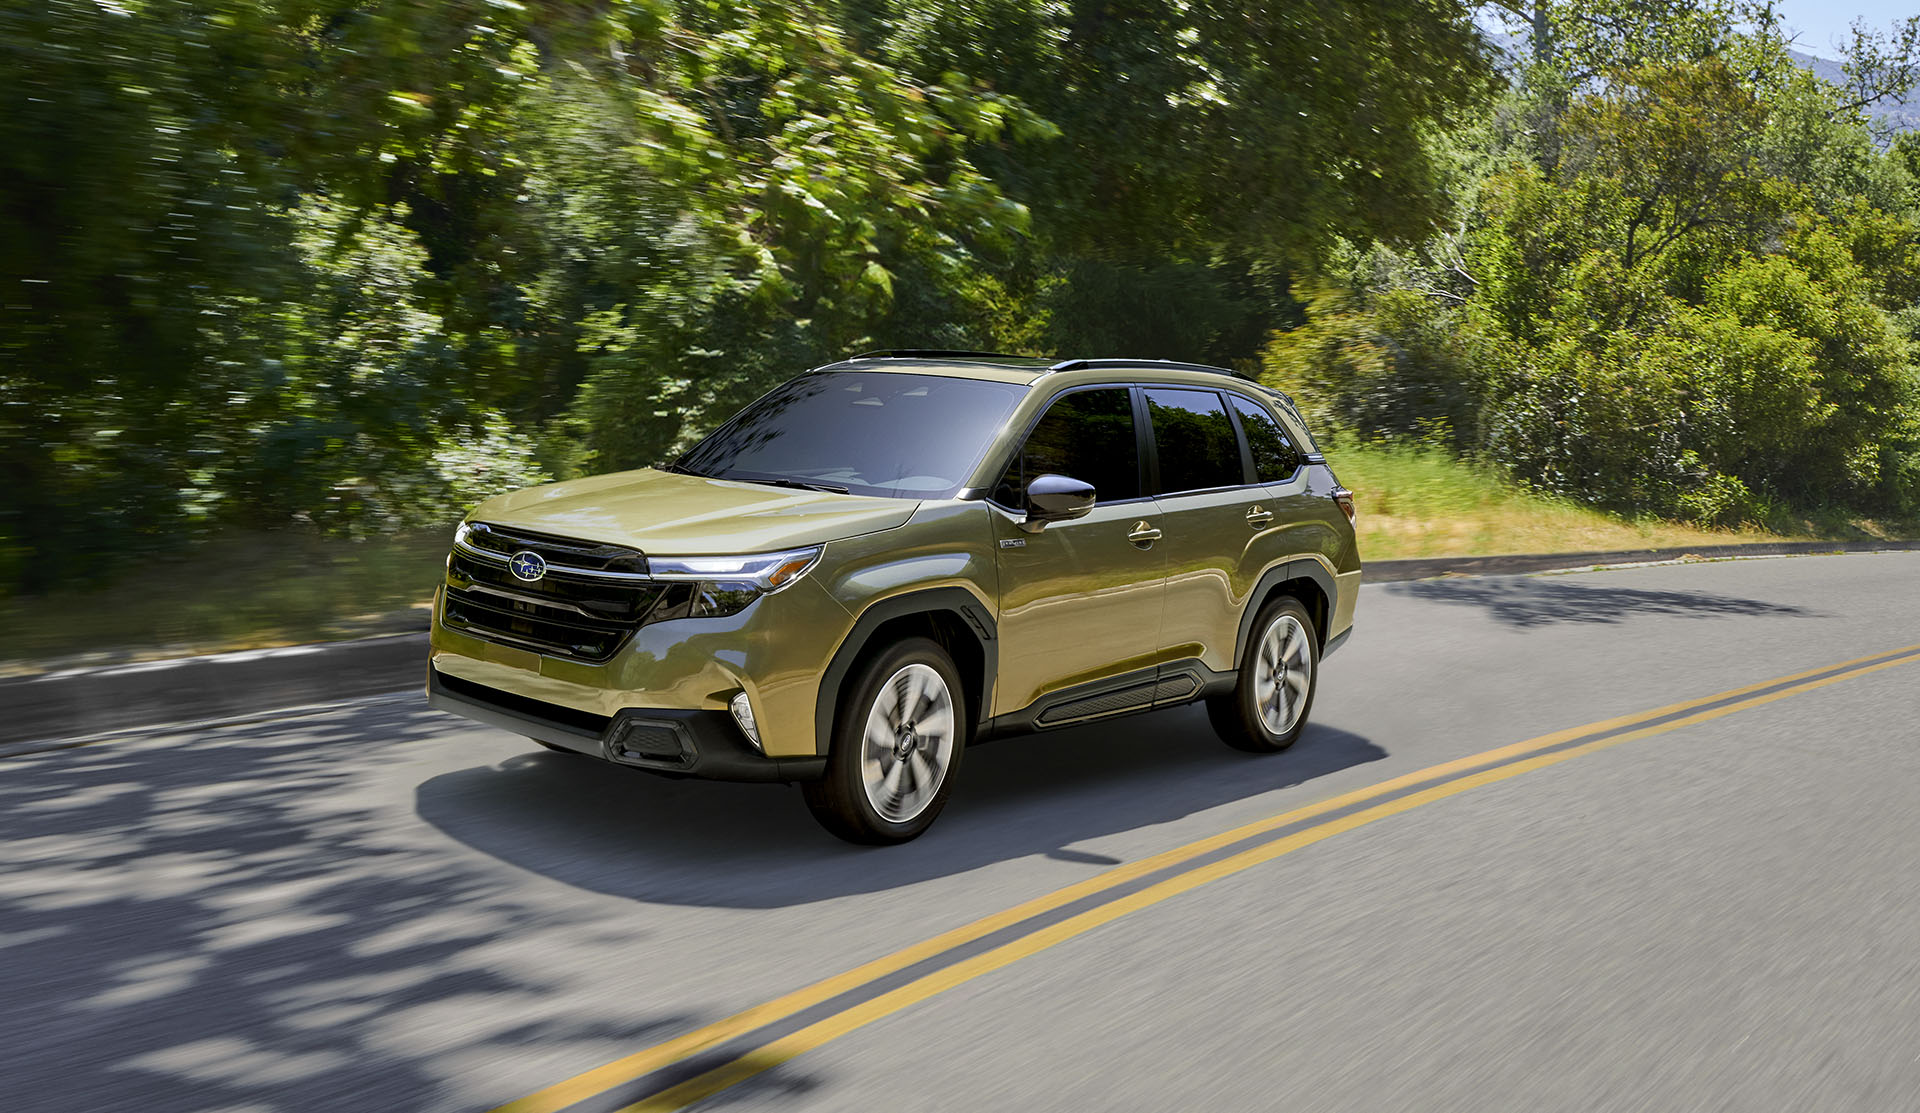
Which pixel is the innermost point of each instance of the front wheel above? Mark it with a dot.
(896, 747)
(1268, 708)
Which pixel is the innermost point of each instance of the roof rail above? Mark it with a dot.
(930, 353)
(1098, 364)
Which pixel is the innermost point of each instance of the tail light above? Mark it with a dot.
(1345, 498)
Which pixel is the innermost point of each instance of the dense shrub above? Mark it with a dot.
(1399, 364)
(1668, 318)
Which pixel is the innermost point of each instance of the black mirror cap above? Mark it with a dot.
(1058, 498)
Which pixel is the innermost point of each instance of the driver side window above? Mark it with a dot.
(1087, 435)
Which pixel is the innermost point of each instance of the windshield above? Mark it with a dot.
(864, 432)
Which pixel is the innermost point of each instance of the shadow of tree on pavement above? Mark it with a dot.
(1526, 601)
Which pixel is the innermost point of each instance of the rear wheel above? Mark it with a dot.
(896, 747)
(1268, 708)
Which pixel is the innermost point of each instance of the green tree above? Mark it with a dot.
(1206, 150)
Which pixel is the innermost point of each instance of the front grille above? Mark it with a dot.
(583, 616)
(589, 555)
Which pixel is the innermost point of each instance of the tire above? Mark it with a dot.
(872, 794)
(1267, 712)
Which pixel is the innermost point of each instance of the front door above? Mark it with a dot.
(1080, 601)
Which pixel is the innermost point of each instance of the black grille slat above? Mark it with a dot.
(590, 555)
(617, 601)
(538, 630)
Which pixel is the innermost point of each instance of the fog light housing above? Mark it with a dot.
(742, 709)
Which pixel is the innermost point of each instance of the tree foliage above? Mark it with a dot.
(354, 263)
(349, 262)
(1701, 306)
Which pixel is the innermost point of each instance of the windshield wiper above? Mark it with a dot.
(797, 484)
(678, 469)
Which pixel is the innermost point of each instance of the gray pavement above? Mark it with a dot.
(378, 907)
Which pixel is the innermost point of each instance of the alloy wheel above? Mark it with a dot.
(908, 743)
(1283, 675)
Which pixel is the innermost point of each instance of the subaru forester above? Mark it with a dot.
(891, 558)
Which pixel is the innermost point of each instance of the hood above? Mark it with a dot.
(687, 515)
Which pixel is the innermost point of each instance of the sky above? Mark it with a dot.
(1820, 24)
(1823, 23)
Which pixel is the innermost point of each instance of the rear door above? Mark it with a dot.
(1300, 517)
(1218, 526)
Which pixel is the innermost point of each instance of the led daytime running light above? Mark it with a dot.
(766, 571)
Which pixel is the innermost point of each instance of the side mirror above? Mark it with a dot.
(1056, 498)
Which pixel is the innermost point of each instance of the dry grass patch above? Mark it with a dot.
(1413, 503)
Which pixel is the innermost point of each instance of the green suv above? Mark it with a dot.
(891, 558)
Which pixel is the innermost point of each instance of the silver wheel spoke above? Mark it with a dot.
(895, 782)
(1283, 674)
(873, 774)
(908, 743)
(912, 690)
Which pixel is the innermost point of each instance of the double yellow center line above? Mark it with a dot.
(1112, 894)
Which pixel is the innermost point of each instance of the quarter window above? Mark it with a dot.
(1087, 435)
(1195, 441)
(1274, 457)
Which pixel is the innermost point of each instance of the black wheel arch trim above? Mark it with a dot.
(1274, 577)
(973, 616)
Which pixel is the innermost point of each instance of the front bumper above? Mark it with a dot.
(773, 650)
(671, 741)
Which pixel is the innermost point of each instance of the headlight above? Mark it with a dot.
(764, 572)
(717, 586)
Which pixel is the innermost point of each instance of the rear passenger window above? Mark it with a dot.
(1194, 439)
(1087, 435)
(1274, 457)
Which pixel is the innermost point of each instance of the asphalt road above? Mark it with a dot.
(382, 908)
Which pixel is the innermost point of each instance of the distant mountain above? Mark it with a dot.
(1893, 113)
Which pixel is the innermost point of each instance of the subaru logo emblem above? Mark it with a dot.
(527, 566)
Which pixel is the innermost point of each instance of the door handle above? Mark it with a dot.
(1143, 535)
(1259, 516)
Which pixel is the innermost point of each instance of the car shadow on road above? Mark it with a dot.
(626, 833)
(1528, 601)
